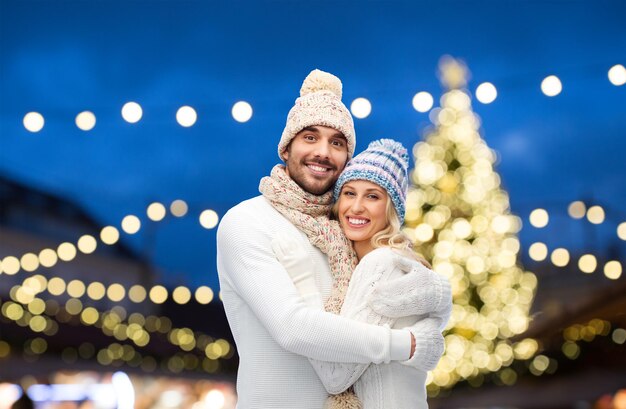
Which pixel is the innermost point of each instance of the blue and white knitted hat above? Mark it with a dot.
(384, 162)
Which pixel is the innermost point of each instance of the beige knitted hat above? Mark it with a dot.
(319, 104)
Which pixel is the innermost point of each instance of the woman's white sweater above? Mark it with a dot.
(387, 385)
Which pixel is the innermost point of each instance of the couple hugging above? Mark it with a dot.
(328, 304)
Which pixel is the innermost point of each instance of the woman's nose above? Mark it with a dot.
(357, 205)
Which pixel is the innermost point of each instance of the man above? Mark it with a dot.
(274, 331)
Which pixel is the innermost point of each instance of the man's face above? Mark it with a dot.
(315, 158)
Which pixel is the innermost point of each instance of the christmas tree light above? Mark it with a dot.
(460, 219)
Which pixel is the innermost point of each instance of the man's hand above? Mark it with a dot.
(292, 256)
(427, 344)
(419, 291)
(297, 262)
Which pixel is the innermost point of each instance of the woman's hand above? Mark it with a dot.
(419, 291)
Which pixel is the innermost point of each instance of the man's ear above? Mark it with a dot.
(285, 155)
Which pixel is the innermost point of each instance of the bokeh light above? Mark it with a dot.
(179, 208)
(132, 112)
(209, 219)
(131, 224)
(109, 235)
(617, 75)
(204, 295)
(33, 122)
(613, 269)
(486, 93)
(156, 211)
(361, 108)
(242, 111)
(587, 263)
(560, 257)
(85, 121)
(423, 101)
(186, 116)
(539, 218)
(87, 244)
(621, 231)
(577, 210)
(595, 214)
(551, 86)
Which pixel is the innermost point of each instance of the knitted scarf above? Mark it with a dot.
(309, 213)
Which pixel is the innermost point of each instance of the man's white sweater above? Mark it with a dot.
(274, 331)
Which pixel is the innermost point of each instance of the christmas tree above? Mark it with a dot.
(460, 219)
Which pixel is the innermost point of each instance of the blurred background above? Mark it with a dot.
(128, 128)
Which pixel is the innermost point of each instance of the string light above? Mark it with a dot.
(66, 251)
(423, 101)
(621, 231)
(560, 257)
(613, 269)
(595, 214)
(577, 210)
(156, 211)
(209, 219)
(33, 122)
(85, 121)
(617, 75)
(242, 111)
(486, 93)
(87, 244)
(132, 112)
(551, 86)
(186, 116)
(587, 263)
(131, 224)
(109, 235)
(361, 108)
(539, 218)
(179, 208)
(538, 251)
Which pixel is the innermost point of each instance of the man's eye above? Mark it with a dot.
(309, 137)
(338, 143)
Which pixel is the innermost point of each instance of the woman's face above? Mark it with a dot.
(361, 210)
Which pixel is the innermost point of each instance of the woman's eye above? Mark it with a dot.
(348, 193)
(375, 197)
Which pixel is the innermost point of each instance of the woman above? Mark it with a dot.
(369, 206)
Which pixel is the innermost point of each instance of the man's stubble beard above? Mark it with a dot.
(297, 174)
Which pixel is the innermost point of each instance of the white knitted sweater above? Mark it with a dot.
(274, 331)
(388, 385)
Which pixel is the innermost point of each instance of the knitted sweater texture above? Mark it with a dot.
(274, 331)
(387, 385)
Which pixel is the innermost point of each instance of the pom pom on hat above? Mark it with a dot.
(319, 104)
(319, 80)
(385, 162)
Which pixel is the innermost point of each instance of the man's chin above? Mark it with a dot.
(316, 188)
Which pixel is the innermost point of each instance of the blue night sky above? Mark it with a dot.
(62, 57)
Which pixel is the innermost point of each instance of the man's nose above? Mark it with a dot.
(322, 149)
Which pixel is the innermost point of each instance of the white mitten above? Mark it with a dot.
(429, 344)
(419, 291)
(296, 261)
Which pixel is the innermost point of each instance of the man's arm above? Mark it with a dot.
(246, 261)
